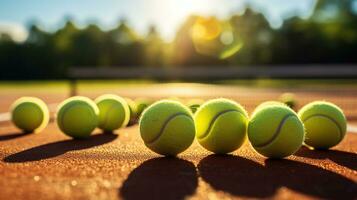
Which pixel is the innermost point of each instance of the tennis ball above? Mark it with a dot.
(194, 104)
(221, 125)
(267, 103)
(114, 112)
(174, 98)
(288, 99)
(133, 111)
(141, 105)
(77, 117)
(275, 131)
(29, 114)
(167, 127)
(325, 124)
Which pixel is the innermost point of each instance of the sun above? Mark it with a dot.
(170, 13)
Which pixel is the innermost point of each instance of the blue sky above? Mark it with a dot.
(167, 15)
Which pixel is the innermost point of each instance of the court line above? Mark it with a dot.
(351, 128)
(5, 117)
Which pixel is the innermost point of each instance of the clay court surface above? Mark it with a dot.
(49, 165)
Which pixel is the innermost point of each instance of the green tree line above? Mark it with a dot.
(328, 36)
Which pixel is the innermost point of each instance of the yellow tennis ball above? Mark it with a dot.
(133, 111)
(77, 117)
(275, 130)
(29, 114)
(194, 104)
(141, 105)
(167, 127)
(114, 112)
(267, 103)
(325, 124)
(221, 125)
(175, 98)
(289, 99)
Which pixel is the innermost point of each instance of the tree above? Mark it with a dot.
(6, 38)
(126, 47)
(154, 48)
(255, 34)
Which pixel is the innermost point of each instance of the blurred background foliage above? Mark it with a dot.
(328, 36)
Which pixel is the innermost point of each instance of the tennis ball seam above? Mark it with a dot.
(166, 122)
(329, 118)
(106, 118)
(277, 132)
(206, 133)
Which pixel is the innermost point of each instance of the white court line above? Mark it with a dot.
(6, 116)
(351, 128)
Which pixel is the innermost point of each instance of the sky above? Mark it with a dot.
(166, 15)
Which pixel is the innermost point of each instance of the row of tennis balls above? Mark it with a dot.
(220, 125)
(78, 116)
(31, 114)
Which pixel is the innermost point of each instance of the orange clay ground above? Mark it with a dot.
(49, 165)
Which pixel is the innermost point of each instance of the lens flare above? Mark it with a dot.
(213, 37)
(206, 29)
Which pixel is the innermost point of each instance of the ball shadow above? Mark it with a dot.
(343, 158)
(245, 178)
(236, 175)
(11, 136)
(58, 148)
(161, 178)
(311, 180)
